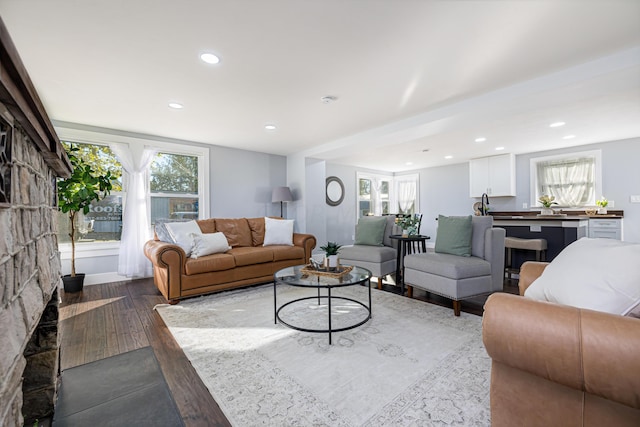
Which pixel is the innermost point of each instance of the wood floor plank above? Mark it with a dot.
(195, 403)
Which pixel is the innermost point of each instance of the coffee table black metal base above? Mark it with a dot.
(360, 276)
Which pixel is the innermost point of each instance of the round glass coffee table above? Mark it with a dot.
(299, 276)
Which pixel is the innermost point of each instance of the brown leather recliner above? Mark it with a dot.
(555, 365)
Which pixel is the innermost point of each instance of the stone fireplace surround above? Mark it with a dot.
(31, 157)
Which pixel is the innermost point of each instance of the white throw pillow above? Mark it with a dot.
(181, 232)
(598, 274)
(278, 232)
(209, 243)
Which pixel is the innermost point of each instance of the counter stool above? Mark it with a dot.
(511, 243)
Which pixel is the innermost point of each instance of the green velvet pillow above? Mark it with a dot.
(370, 230)
(454, 235)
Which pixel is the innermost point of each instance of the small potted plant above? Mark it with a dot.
(409, 225)
(602, 206)
(331, 250)
(75, 195)
(546, 202)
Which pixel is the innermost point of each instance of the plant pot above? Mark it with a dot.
(73, 284)
(602, 211)
(331, 261)
(546, 211)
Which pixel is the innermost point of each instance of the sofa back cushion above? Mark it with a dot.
(207, 225)
(257, 230)
(236, 230)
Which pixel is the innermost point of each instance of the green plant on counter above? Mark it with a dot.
(547, 201)
(602, 203)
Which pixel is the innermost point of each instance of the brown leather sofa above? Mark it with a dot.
(555, 365)
(246, 263)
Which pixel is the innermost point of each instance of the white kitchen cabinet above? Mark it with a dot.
(495, 175)
(608, 228)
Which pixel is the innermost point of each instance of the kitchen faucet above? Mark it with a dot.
(484, 205)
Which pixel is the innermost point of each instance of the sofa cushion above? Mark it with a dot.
(447, 265)
(257, 230)
(209, 243)
(207, 225)
(598, 274)
(370, 230)
(209, 263)
(283, 253)
(160, 228)
(236, 230)
(278, 232)
(454, 235)
(182, 234)
(368, 253)
(249, 255)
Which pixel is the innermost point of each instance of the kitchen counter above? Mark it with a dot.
(558, 230)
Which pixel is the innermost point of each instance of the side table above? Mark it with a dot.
(407, 245)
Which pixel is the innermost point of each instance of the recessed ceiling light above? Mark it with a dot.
(209, 58)
(568, 137)
(557, 124)
(409, 163)
(499, 148)
(481, 139)
(270, 127)
(448, 157)
(175, 105)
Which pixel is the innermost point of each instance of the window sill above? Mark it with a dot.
(89, 249)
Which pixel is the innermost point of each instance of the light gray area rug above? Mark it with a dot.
(412, 364)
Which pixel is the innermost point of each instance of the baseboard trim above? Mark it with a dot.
(97, 279)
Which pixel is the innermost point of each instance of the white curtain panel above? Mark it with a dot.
(135, 219)
(406, 194)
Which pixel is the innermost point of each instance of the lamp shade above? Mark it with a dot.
(281, 194)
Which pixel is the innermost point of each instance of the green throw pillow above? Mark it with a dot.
(454, 235)
(370, 231)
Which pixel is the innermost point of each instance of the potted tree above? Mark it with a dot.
(75, 195)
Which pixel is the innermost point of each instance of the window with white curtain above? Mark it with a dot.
(173, 181)
(383, 195)
(573, 179)
(406, 194)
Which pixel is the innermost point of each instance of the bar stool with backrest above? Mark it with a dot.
(511, 243)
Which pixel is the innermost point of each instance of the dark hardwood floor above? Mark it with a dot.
(110, 319)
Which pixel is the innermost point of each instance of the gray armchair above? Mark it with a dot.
(380, 260)
(460, 277)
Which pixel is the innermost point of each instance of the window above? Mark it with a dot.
(383, 195)
(174, 187)
(373, 194)
(573, 179)
(406, 194)
(104, 220)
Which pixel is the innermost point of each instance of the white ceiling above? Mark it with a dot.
(409, 75)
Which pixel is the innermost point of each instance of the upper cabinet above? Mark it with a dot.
(495, 175)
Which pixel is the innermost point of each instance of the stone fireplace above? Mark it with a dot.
(31, 157)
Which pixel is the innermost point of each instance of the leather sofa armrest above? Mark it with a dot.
(165, 255)
(583, 349)
(307, 241)
(530, 271)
